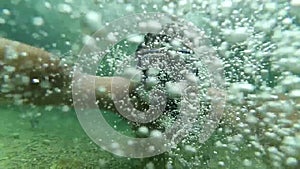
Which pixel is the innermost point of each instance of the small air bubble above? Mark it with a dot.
(156, 133)
(64, 8)
(65, 108)
(35, 81)
(38, 21)
(2, 21)
(6, 12)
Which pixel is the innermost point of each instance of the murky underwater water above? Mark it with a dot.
(227, 77)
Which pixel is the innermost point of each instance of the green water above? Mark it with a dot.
(257, 42)
(57, 142)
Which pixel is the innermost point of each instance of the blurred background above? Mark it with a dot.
(258, 42)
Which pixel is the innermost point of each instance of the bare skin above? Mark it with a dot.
(37, 63)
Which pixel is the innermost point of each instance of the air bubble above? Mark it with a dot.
(38, 21)
(156, 133)
(64, 8)
(35, 81)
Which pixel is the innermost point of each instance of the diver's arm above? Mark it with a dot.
(29, 73)
(27, 58)
(38, 65)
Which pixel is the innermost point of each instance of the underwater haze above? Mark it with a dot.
(150, 84)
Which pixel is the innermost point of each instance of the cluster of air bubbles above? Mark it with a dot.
(258, 42)
(260, 55)
(260, 58)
